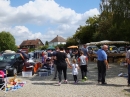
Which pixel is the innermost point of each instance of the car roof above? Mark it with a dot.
(10, 53)
(112, 46)
(92, 46)
(121, 47)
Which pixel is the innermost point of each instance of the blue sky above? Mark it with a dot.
(45, 19)
(80, 6)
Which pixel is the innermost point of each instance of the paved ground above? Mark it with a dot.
(45, 87)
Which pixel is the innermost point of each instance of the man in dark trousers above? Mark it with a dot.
(102, 64)
(128, 61)
(55, 64)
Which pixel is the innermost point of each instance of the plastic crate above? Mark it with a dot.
(26, 73)
(49, 72)
(43, 73)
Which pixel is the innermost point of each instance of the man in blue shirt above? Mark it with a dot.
(84, 49)
(102, 64)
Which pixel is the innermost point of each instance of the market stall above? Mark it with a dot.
(73, 46)
(112, 57)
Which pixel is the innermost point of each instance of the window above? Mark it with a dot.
(18, 57)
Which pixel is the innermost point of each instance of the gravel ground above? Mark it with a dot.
(37, 86)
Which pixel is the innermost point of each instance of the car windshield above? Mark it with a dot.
(122, 49)
(7, 57)
(95, 48)
(114, 48)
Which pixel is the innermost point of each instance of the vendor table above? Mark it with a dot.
(112, 56)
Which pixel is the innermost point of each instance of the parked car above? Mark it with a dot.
(92, 49)
(112, 49)
(122, 49)
(12, 62)
(1, 53)
(31, 55)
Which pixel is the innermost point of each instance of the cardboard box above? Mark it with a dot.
(26, 73)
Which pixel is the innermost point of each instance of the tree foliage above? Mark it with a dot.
(46, 43)
(120, 17)
(111, 24)
(44, 47)
(7, 41)
(70, 41)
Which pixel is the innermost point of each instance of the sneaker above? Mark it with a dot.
(59, 83)
(104, 83)
(65, 81)
(85, 78)
(99, 81)
(76, 82)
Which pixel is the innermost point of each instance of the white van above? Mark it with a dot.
(122, 49)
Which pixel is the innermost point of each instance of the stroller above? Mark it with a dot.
(3, 81)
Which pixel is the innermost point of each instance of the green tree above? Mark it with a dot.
(70, 41)
(85, 34)
(46, 43)
(120, 18)
(44, 47)
(61, 45)
(7, 41)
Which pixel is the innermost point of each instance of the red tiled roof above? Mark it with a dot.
(58, 39)
(30, 42)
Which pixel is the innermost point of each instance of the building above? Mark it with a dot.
(36, 43)
(57, 40)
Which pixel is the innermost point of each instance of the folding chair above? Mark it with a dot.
(3, 81)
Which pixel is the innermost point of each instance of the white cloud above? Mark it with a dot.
(41, 12)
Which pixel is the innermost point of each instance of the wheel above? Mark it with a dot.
(14, 72)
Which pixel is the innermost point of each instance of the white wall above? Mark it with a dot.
(56, 43)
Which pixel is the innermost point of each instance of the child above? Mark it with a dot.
(75, 70)
(47, 65)
(83, 60)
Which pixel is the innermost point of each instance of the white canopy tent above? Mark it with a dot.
(108, 42)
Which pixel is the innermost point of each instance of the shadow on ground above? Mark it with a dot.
(92, 74)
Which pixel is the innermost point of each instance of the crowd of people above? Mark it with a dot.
(78, 60)
(61, 59)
